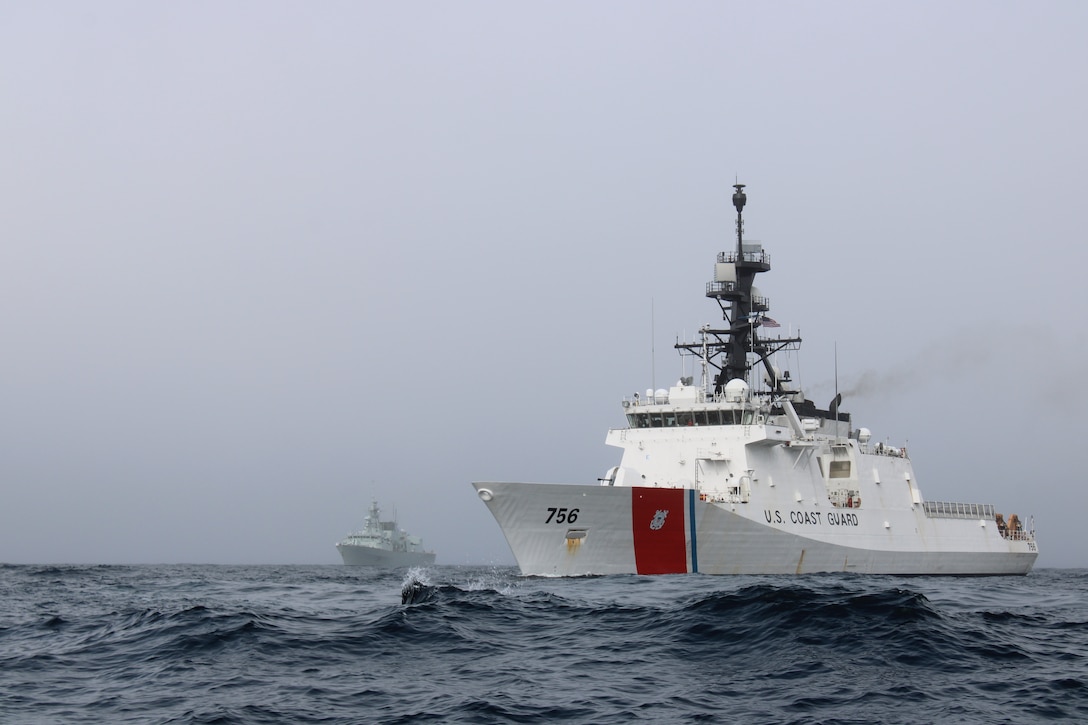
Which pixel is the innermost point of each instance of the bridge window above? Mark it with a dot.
(684, 419)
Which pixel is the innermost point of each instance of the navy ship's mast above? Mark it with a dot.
(743, 310)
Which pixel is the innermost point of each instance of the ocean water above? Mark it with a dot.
(334, 644)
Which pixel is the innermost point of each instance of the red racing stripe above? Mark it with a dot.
(657, 522)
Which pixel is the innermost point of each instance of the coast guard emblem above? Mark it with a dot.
(659, 519)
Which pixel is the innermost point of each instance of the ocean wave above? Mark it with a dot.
(337, 644)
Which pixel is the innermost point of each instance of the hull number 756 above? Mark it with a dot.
(561, 516)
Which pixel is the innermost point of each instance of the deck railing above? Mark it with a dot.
(946, 510)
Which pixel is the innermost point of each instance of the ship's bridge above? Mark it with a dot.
(692, 417)
(687, 405)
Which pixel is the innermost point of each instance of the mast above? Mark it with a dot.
(743, 306)
(735, 349)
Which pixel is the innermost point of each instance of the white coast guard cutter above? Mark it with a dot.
(741, 474)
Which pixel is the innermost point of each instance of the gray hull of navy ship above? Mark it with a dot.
(370, 556)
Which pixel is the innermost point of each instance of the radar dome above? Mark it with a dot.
(736, 390)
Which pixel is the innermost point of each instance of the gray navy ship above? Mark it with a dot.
(382, 543)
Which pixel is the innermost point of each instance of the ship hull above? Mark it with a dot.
(635, 530)
(371, 556)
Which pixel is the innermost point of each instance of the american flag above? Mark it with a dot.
(768, 322)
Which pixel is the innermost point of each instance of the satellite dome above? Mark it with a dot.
(736, 390)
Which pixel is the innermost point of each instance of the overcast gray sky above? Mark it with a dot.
(263, 261)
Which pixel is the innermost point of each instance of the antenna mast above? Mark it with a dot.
(730, 349)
